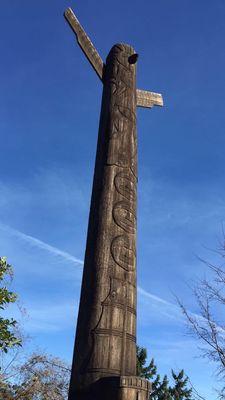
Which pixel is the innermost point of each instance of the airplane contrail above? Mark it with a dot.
(41, 245)
(68, 257)
(154, 297)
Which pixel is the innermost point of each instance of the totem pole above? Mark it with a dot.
(104, 363)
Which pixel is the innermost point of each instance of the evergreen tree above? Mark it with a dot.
(148, 372)
(143, 370)
(155, 380)
(161, 390)
(180, 390)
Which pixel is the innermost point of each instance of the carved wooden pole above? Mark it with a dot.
(104, 364)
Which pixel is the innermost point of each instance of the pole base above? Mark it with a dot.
(115, 388)
(134, 388)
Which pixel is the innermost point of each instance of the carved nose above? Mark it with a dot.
(133, 58)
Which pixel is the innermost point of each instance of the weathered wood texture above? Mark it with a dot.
(148, 99)
(85, 43)
(105, 342)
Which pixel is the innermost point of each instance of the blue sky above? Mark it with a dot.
(49, 112)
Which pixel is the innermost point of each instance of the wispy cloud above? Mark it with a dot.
(171, 309)
(154, 297)
(49, 318)
(174, 311)
(40, 318)
(32, 241)
(158, 306)
(54, 251)
(46, 317)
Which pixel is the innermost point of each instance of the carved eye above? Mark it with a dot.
(133, 58)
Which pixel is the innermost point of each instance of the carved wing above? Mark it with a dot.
(148, 99)
(85, 43)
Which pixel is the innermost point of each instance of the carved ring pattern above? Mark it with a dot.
(123, 252)
(124, 216)
(126, 185)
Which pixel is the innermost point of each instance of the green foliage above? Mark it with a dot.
(164, 391)
(8, 338)
(143, 371)
(180, 390)
(161, 390)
